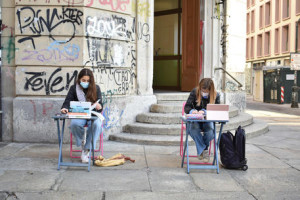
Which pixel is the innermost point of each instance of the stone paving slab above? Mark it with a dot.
(11, 148)
(171, 180)
(178, 195)
(286, 144)
(65, 195)
(264, 160)
(27, 181)
(207, 181)
(104, 180)
(165, 161)
(35, 164)
(260, 181)
(284, 154)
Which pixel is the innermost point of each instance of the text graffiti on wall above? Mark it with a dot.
(115, 5)
(104, 53)
(57, 51)
(143, 31)
(37, 81)
(10, 47)
(144, 10)
(53, 19)
(108, 27)
(122, 79)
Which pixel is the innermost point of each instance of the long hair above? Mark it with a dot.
(206, 84)
(91, 94)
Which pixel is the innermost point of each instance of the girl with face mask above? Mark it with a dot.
(198, 99)
(85, 90)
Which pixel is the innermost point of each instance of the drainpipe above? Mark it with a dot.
(0, 80)
(295, 87)
(224, 43)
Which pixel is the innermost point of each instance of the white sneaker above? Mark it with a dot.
(206, 156)
(85, 156)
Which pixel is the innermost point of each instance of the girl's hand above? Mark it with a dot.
(64, 110)
(195, 112)
(98, 106)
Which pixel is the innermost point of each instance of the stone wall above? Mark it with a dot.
(47, 42)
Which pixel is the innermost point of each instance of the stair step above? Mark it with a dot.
(255, 129)
(163, 140)
(170, 118)
(172, 96)
(243, 119)
(173, 107)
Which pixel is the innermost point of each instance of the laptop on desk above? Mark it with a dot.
(217, 112)
(79, 110)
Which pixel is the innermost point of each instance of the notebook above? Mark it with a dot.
(217, 112)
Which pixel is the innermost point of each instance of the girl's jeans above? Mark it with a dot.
(202, 141)
(77, 128)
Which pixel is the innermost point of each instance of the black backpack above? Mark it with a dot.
(232, 149)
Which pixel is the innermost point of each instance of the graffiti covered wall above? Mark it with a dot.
(47, 43)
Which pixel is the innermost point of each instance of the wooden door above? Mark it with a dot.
(191, 44)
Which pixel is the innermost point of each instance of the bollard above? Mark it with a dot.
(294, 97)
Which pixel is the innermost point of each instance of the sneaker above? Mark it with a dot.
(206, 156)
(85, 156)
(200, 157)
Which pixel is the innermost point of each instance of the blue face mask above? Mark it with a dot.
(85, 85)
(205, 95)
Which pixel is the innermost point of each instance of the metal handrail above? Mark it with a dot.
(240, 85)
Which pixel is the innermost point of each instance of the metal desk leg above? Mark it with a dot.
(217, 146)
(183, 155)
(93, 142)
(60, 139)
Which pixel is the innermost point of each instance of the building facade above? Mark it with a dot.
(45, 43)
(271, 37)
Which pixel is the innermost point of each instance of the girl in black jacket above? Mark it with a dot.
(84, 90)
(199, 97)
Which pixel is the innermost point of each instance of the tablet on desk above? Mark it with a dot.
(217, 112)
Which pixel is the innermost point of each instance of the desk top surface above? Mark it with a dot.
(64, 116)
(201, 120)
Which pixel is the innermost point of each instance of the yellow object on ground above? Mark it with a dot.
(118, 159)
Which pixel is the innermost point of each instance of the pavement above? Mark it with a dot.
(29, 170)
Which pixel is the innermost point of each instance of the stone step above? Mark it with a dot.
(255, 129)
(172, 96)
(171, 107)
(242, 119)
(170, 118)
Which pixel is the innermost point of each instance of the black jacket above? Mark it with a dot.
(72, 96)
(191, 103)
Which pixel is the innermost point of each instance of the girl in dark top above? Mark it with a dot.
(199, 97)
(85, 90)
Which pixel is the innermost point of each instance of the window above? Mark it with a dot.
(247, 48)
(267, 44)
(285, 9)
(276, 41)
(252, 47)
(285, 39)
(261, 16)
(248, 23)
(277, 10)
(297, 7)
(268, 13)
(259, 45)
(253, 21)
